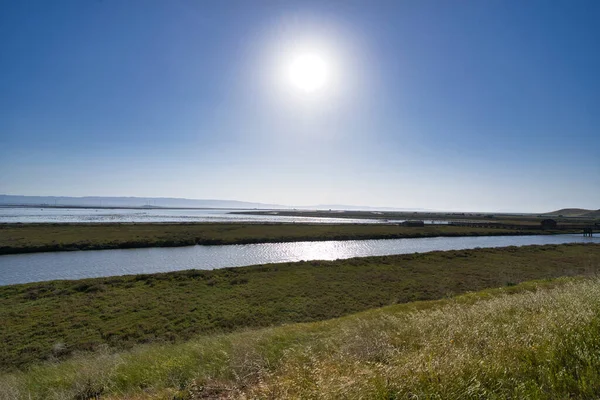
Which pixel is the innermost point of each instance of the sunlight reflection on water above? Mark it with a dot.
(23, 268)
(91, 215)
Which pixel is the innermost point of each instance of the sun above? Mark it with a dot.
(308, 72)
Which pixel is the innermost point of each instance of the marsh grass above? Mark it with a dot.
(55, 320)
(27, 238)
(533, 340)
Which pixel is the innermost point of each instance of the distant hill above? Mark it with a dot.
(129, 202)
(593, 214)
(166, 202)
(575, 212)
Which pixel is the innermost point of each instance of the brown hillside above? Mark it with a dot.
(593, 214)
(572, 212)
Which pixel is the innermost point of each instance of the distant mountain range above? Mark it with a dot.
(128, 202)
(165, 202)
(576, 212)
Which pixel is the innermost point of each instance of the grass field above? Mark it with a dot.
(538, 340)
(56, 319)
(26, 238)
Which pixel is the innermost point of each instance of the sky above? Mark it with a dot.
(444, 105)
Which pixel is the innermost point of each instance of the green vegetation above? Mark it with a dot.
(535, 340)
(56, 319)
(27, 238)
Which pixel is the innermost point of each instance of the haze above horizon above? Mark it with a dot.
(431, 105)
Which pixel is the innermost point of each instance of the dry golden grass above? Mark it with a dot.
(534, 340)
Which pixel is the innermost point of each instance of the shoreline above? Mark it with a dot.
(20, 238)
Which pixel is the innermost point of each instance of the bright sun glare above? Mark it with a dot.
(308, 72)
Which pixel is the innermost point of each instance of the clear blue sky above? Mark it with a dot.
(450, 105)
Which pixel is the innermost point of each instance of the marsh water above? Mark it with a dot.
(22, 268)
(120, 215)
(51, 215)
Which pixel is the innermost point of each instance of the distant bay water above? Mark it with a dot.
(124, 215)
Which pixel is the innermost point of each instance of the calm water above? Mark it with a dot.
(98, 215)
(92, 215)
(85, 264)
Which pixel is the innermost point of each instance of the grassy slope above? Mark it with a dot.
(55, 318)
(570, 212)
(536, 340)
(593, 214)
(24, 238)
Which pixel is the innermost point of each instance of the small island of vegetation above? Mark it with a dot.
(30, 238)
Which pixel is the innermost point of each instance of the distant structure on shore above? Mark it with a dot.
(414, 223)
(548, 224)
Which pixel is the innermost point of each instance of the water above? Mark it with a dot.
(42, 215)
(98, 215)
(35, 267)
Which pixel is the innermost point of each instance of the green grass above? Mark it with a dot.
(26, 238)
(538, 340)
(56, 319)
